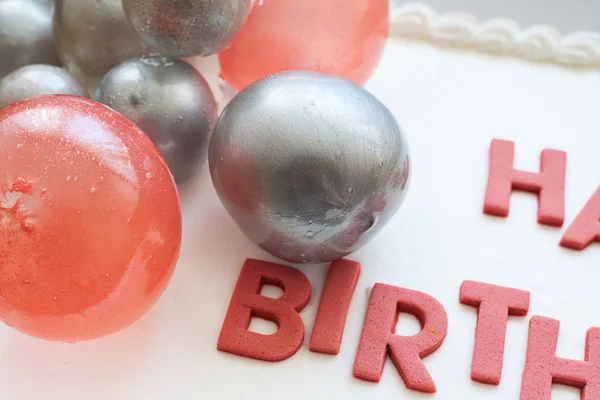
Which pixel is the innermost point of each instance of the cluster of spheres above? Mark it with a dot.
(103, 119)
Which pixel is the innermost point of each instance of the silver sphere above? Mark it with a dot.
(309, 166)
(182, 28)
(25, 35)
(37, 80)
(93, 36)
(47, 3)
(171, 102)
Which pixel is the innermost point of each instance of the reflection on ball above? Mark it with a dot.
(48, 3)
(344, 38)
(310, 166)
(182, 28)
(25, 35)
(92, 36)
(171, 102)
(37, 80)
(90, 224)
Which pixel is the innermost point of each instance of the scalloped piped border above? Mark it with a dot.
(498, 36)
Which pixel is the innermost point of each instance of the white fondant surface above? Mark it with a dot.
(451, 104)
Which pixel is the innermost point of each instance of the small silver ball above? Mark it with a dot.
(37, 80)
(171, 102)
(93, 36)
(25, 35)
(182, 28)
(309, 166)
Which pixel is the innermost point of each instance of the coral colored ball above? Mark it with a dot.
(338, 37)
(90, 222)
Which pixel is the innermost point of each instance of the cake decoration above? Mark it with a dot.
(88, 54)
(312, 35)
(317, 189)
(247, 302)
(548, 184)
(585, 229)
(495, 304)
(543, 367)
(329, 324)
(183, 28)
(171, 102)
(90, 224)
(21, 47)
(37, 80)
(500, 36)
(378, 338)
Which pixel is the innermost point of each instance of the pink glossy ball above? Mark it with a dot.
(338, 37)
(90, 223)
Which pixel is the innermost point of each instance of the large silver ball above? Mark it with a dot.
(309, 166)
(171, 102)
(37, 80)
(181, 28)
(48, 3)
(92, 36)
(25, 35)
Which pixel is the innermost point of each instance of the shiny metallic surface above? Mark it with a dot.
(25, 35)
(171, 102)
(93, 36)
(37, 80)
(309, 166)
(182, 28)
(49, 3)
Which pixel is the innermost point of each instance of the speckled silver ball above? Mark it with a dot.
(182, 28)
(309, 166)
(171, 102)
(93, 36)
(25, 35)
(37, 80)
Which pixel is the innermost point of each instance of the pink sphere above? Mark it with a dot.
(338, 37)
(90, 222)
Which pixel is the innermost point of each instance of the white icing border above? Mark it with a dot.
(500, 36)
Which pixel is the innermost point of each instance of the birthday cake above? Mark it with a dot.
(482, 286)
(489, 261)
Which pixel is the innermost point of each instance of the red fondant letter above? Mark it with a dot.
(549, 184)
(247, 302)
(378, 338)
(543, 368)
(495, 304)
(586, 227)
(331, 318)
